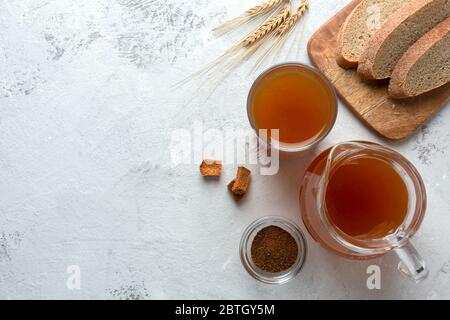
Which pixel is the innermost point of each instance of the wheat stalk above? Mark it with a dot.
(230, 66)
(269, 26)
(263, 8)
(278, 25)
(287, 25)
(297, 38)
(248, 15)
(266, 28)
(283, 31)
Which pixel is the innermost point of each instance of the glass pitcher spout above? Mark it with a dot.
(344, 150)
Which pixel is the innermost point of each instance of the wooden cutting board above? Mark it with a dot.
(390, 118)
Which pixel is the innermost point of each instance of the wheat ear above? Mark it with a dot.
(283, 31)
(248, 15)
(289, 23)
(269, 26)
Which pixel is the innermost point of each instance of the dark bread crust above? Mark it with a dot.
(340, 59)
(370, 53)
(397, 86)
(347, 56)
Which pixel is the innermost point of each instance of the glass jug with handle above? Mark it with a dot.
(317, 219)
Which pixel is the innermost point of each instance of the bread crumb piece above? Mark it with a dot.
(211, 168)
(239, 185)
(236, 197)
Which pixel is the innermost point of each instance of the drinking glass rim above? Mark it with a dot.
(334, 100)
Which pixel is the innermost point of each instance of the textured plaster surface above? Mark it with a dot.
(87, 111)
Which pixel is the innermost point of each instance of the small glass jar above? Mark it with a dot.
(246, 245)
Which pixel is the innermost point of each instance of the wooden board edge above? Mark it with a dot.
(350, 6)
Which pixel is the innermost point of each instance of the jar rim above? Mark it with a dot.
(245, 249)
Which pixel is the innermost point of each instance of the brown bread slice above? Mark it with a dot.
(425, 66)
(398, 34)
(359, 27)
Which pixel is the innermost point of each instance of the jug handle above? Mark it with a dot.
(411, 263)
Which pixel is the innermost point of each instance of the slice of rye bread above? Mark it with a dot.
(398, 34)
(425, 66)
(360, 25)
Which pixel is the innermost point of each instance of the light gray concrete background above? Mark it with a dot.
(87, 111)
